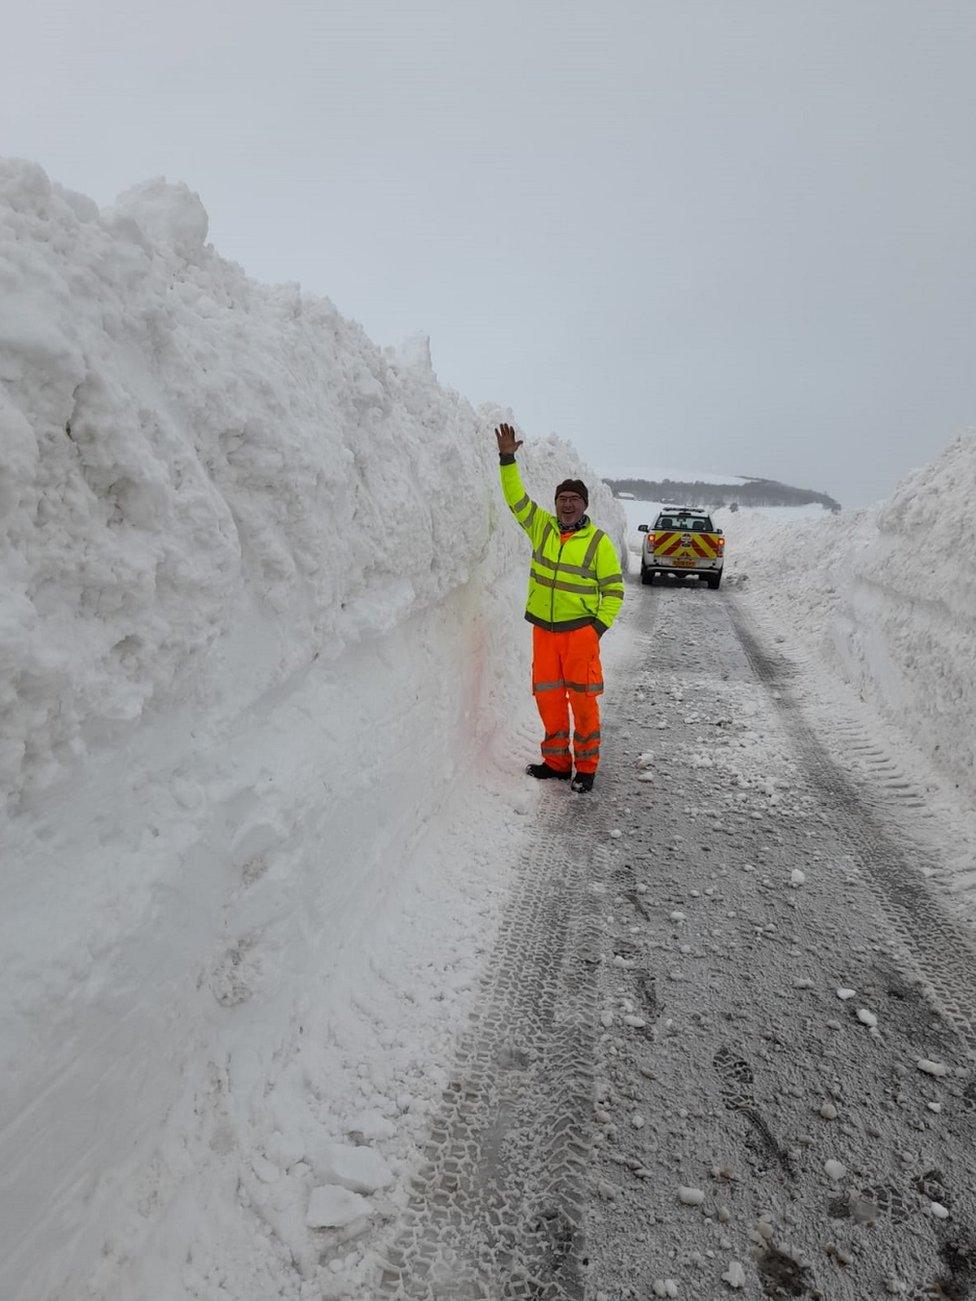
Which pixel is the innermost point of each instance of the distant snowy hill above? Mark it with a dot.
(644, 492)
(688, 487)
(657, 474)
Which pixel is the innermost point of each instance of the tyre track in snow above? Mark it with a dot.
(747, 1074)
(941, 951)
(496, 1210)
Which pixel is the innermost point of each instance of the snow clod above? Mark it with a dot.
(358, 1169)
(932, 1068)
(330, 1207)
(735, 1275)
(690, 1196)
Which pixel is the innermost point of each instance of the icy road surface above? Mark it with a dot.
(725, 1043)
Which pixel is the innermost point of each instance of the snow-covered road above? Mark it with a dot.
(724, 1044)
(264, 716)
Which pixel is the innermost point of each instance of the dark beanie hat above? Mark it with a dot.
(577, 486)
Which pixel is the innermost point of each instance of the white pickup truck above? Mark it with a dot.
(683, 540)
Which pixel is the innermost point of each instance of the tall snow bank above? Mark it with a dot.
(182, 445)
(888, 597)
(260, 619)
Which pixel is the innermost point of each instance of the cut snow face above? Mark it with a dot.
(886, 597)
(262, 611)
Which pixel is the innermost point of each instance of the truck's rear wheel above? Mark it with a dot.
(647, 576)
(714, 580)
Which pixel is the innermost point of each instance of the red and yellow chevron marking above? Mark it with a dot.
(703, 546)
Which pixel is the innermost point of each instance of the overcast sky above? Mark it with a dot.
(733, 235)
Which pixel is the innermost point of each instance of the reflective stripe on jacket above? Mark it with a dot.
(571, 583)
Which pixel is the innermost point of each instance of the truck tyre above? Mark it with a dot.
(714, 580)
(647, 576)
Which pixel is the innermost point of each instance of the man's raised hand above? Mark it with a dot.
(508, 444)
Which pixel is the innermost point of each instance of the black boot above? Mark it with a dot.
(542, 771)
(583, 782)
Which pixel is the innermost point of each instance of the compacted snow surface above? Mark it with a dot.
(261, 616)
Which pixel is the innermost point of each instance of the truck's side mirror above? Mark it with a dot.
(643, 528)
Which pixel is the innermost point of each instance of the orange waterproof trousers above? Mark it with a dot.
(566, 672)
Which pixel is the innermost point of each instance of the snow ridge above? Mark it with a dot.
(887, 596)
(261, 631)
(183, 444)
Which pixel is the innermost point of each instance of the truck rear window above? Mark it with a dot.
(685, 523)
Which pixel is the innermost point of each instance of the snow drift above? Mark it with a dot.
(261, 616)
(888, 597)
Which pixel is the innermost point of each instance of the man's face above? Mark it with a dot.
(570, 508)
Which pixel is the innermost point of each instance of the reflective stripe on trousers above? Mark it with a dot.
(566, 674)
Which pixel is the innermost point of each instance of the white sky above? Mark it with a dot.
(733, 234)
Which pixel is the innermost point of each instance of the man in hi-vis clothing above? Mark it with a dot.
(576, 589)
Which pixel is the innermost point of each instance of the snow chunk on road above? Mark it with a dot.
(866, 1018)
(370, 1125)
(932, 1068)
(690, 1196)
(735, 1275)
(835, 1169)
(359, 1169)
(335, 1208)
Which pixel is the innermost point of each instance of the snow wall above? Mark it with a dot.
(887, 596)
(261, 606)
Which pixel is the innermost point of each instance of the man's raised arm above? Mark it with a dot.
(528, 514)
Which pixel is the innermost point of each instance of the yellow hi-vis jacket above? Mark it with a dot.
(572, 583)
